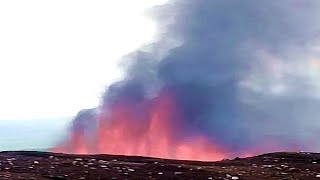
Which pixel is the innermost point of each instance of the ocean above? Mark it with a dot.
(32, 134)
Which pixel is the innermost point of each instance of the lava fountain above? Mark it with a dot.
(155, 132)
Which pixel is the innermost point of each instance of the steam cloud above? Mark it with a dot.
(243, 72)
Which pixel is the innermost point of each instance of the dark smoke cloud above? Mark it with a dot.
(243, 72)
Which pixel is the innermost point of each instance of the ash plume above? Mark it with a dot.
(245, 74)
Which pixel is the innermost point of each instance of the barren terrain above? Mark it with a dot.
(45, 165)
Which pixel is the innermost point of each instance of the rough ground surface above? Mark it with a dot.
(43, 165)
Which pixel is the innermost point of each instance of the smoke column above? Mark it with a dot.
(225, 77)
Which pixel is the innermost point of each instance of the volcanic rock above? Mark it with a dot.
(46, 165)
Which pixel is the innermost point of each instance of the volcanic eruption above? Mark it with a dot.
(224, 78)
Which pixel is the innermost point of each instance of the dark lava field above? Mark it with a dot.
(44, 165)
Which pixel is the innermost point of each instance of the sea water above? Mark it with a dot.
(39, 134)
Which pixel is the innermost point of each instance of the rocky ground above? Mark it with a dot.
(44, 165)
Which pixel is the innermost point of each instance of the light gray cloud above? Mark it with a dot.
(244, 73)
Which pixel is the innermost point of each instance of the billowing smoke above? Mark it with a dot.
(244, 74)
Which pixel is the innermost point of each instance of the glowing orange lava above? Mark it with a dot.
(123, 132)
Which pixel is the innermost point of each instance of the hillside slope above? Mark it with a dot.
(45, 165)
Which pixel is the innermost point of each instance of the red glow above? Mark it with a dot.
(124, 133)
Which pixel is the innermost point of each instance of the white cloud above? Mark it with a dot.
(273, 75)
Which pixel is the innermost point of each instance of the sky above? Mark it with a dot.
(56, 57)
(241, 71)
